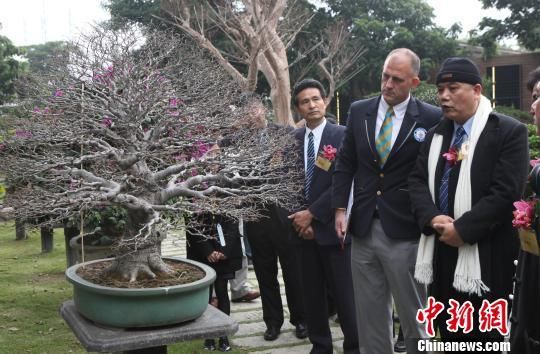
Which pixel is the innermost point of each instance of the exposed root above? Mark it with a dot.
(141, 264)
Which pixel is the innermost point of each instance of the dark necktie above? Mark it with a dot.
(443, 190)
(310, 164)
(383, 143)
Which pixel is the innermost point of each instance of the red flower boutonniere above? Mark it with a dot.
(453, 156)
(329, 152)
(524, 213)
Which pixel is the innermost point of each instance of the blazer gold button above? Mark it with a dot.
(381, 175)
(379, 192)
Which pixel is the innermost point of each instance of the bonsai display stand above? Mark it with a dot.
(96, 338)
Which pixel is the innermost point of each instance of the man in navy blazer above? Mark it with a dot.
(324, 259)
(379, 150)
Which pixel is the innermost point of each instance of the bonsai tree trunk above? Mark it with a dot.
(139, 255)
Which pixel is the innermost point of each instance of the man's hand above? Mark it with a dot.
(309, 234)
(449, 234)
(440, 219)
(341, 223)
(215, 257)
(301, 220)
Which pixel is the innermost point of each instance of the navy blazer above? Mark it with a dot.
(320, 189)
(385, 189)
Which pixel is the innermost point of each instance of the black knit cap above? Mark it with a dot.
(458, 69)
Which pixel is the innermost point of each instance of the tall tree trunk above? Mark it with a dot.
(71, 255)
(20, 230)
(47, 234)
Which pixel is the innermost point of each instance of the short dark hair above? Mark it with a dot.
(305, 84)
(534, 77)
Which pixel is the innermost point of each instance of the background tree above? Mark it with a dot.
(10, 68)
(129, 124)
(523, 23)
(250, 38)
(39, 56)
(384, 25)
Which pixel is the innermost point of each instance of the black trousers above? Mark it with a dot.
(323, 268)
(525, 331)
(270, 242)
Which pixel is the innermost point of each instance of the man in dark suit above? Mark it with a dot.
(381, 144)
(324, 260)
(270, 242)
(525, 335)
(471, 168)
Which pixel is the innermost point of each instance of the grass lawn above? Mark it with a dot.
(33, 287)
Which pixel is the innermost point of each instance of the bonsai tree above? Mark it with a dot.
(126, 118)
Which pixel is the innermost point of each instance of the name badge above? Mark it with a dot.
(323, 163)
(221, 237)
(529, 242)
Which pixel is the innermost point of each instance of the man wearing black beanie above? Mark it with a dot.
(471, 169)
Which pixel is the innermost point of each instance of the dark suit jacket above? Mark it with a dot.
(320, 188)
(498, 177)
(387, 188)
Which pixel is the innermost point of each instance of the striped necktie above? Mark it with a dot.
(443, 189)
(310, 164)
(383, 143)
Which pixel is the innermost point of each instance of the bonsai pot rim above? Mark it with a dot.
(210, 276)
(141, 307)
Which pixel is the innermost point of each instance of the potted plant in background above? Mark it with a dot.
(102, 230)
(124, 119)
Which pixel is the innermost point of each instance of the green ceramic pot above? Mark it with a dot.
(150, 307)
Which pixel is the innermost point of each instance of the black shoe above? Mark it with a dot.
(209, 344)
(400, 347)
(271, 333)
(224, 344)
(301, 331)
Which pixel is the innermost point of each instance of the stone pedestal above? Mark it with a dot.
(95, 338)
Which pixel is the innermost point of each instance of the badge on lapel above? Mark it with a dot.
(325, 157)
(419, 134)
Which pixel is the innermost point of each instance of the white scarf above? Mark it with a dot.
(467, 275)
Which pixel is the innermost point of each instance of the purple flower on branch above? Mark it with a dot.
(107, 122)
(2, 146)
(23, 134)
(58, 93)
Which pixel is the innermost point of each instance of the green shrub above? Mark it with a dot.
(534, 142)
(520, 115)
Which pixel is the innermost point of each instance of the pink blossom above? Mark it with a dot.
(58, 93)
(194, 172)
(23, 134)
(329, 152)
(173, 102)
(200, 150)
(524, 213)
(451, 156)
(535, 162)
(36, 110)
(173, 113)
(107, 122)
(2, 146)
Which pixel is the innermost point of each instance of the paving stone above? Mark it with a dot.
(296, 349)
(285, 338)
(258, 328)
(248, 316)
(243, 306)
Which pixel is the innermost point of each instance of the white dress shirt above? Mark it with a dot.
(399, 114)
(317, 134)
